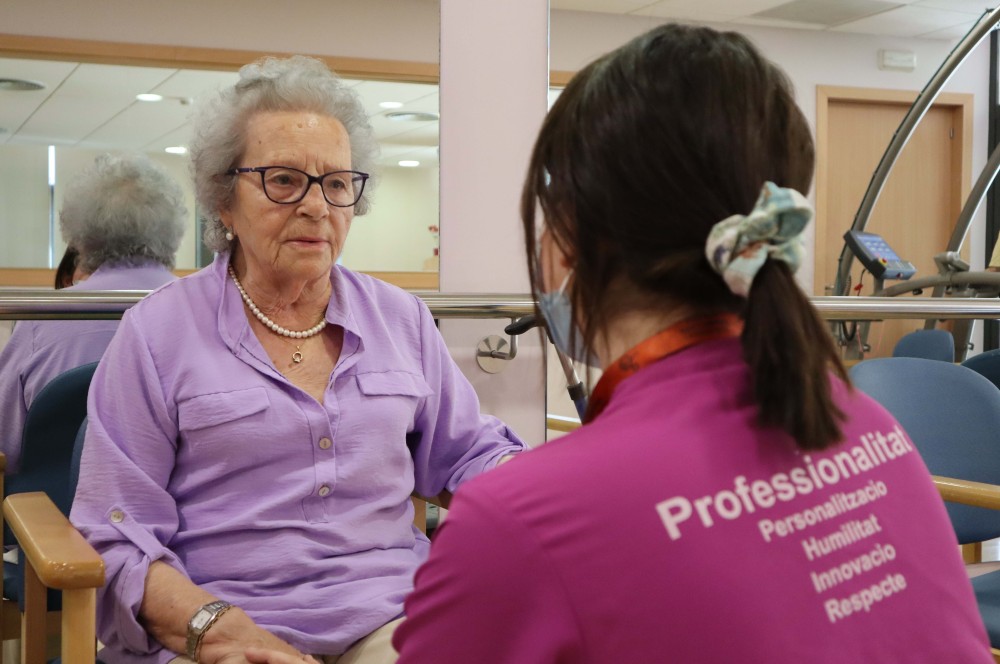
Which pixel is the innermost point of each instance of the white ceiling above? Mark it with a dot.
(931, 19)
(94, 106)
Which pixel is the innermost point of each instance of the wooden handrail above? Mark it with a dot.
(560, 423)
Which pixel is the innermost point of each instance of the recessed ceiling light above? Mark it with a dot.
(20, 85)
(176, 149)
(149, 96)
(413, 116)
(391, 104)
(409, 163)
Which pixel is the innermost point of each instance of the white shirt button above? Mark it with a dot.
(324, 490)
(324, 443)
(117, 516)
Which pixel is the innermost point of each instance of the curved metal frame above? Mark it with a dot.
(903, 133)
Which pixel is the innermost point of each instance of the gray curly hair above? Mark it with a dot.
(123, 209)
(297, 83)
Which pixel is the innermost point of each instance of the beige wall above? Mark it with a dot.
(394, 235)
(382, 29)
(24, 206)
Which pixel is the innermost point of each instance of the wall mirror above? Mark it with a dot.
(49, 133)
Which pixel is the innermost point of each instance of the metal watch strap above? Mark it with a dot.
(195, 635)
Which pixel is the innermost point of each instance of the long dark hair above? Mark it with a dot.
(645, 150)
(66, 268)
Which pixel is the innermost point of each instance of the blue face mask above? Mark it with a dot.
(558, 313)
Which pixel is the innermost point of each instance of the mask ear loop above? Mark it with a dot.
(577, 390)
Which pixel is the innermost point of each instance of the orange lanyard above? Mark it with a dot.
(675, 338)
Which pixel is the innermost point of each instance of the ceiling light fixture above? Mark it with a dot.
(413, 116)
(391, 104)
(409, 163)
(149, 96)
(176, 149)
(20, 85)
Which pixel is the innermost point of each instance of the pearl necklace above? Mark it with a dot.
(271, 325)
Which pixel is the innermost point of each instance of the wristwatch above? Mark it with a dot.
(200, 622)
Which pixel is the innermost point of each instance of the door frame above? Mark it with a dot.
(961, 105)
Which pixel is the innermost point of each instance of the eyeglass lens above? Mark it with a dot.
(286, 185)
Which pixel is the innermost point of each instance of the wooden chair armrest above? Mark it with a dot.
(977, 494)
(52, 546)
(560, 423)
(443, 499)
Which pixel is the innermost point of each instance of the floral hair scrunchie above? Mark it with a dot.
(738, 246)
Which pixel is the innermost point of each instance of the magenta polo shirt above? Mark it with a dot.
(674, 529)
(40, 350)
(199, 453)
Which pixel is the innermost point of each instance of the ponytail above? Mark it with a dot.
(791, 355)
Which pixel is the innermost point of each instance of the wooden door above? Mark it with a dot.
(920, 201)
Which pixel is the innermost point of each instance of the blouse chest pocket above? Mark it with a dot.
(222, 416)
(395, 394)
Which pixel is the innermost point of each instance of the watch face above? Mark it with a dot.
(200, 619)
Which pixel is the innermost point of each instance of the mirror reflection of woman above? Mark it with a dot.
(256, 431)
(123, 218)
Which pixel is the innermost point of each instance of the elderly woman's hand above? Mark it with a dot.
(265, 656)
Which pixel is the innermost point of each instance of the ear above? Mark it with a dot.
(555, 262)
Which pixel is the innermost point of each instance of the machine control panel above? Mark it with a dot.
(878, 257)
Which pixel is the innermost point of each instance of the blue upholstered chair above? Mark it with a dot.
(49, 436)
(986, 364)
(928, 344)
(952, 414)
(45, 485)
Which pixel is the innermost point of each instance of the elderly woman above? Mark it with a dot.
(125, 217)
(256, 429)
(764, 511)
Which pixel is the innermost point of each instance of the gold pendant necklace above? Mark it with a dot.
(297, 356)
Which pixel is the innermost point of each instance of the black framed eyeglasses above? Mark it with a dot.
(285, 185)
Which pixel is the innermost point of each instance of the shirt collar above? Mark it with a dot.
(232, 321)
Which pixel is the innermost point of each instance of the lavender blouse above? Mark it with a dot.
(200, 454)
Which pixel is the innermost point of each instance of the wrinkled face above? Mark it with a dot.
(290, 242)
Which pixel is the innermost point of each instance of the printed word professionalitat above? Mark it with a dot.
(746, 497)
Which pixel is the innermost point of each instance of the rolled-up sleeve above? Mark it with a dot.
(452, 441)
(122, 505)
